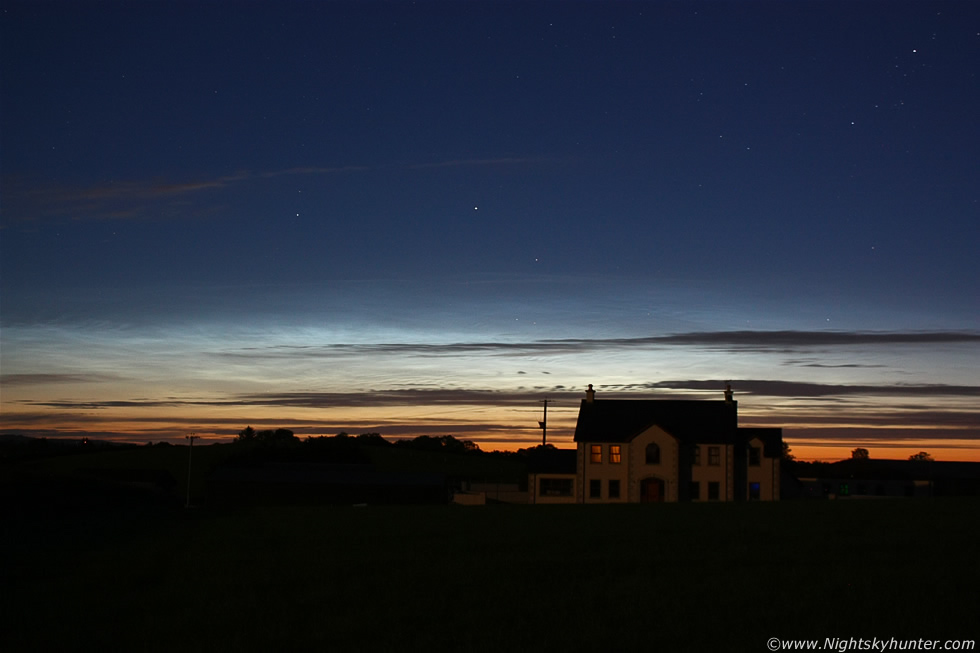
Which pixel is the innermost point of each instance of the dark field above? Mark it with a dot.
(691, 577)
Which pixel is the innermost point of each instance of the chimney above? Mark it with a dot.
(589, 395)
(729, 394)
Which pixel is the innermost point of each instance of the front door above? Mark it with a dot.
(651, 490)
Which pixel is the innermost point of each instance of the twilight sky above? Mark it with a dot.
(424, 218)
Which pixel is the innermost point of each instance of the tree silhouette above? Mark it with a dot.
(372, 439)
(340, 448)
(277, 436)
(860, 454)
(787, 456)
(440, 443)
(921, 456)
(247, 434)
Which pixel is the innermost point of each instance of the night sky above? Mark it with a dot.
(424, 218)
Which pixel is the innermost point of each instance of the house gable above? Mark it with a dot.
(665, 466)
(763, 449)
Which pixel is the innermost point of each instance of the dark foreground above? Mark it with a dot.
(693, 577)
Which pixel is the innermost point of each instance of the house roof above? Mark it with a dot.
(552, 461)
(621, 420)
(772, 439)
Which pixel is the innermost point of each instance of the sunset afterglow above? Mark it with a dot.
(426, 219)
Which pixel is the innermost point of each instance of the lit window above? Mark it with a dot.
(755, 491)
(695, 490)
(714, 455)
(595, 489)
(615, 455)
(653, 454)
(754, 456)
(596, 456)
(696, 456)
(713, 491)
(613, 489)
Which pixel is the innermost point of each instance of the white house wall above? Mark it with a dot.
(604, 472)
(667, 470)
(723, 473)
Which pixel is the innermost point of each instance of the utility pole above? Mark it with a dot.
(543, 424)
(190, 450)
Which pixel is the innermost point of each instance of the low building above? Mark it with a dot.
(470, 492)
(880, 478)
(551, 475)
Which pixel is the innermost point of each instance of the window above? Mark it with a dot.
(653, 454)
(843, 490)
(595, 489)
(753, 456)
(755, 491)
(714, 456)
(613, 489)
(555, 487)
(696, 455)
(615, 453)
(713, 491)
(695, 490)
(596, 456)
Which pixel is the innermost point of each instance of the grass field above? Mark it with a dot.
(682, 577)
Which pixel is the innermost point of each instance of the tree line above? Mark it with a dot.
(445, 443)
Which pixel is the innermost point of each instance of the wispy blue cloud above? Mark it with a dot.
(779, 341)
(45, 379)
(462, 396)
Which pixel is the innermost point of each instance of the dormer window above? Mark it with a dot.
(653, 454)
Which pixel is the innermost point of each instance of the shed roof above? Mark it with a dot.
(549, 460)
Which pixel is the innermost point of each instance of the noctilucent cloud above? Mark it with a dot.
(426, 218)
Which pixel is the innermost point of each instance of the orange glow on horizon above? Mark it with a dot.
(492, 427)
(940, 450)
(502, 437)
